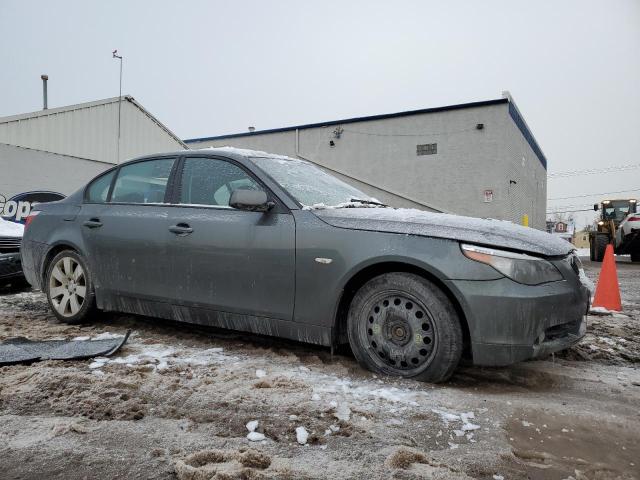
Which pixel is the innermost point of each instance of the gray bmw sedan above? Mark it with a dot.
(277, 246)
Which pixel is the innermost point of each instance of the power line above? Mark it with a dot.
(573, 205)
(594, 194)
(594, 171)
(570, 211)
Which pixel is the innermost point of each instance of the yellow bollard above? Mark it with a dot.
(525, 220)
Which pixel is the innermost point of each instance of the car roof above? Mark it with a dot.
(230, 152)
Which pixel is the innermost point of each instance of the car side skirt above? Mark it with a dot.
(313, 334)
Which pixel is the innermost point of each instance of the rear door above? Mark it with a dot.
(127, 229)
(225, 259)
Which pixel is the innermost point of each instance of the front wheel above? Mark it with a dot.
(402, 324)
(635, 255)
(69, 287)
(601, 241)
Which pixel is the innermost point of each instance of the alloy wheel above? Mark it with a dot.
(67, 286)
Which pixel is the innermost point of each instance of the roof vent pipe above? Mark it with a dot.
(44, 90)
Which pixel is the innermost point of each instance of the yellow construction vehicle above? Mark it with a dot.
(618, 225)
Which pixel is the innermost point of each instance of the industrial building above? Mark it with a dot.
(478, 159)
(60, 149)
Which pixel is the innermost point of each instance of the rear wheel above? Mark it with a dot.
(601, 241)
(69, 287)
(402, 324)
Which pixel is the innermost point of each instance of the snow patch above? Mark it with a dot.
(255, 437)
(101, 336)
(302, 435)
(343, 412)
(601, 311)
(586, 281)
(162, 357)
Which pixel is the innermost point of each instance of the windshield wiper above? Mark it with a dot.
(368, 202)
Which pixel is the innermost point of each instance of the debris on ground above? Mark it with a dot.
(23, 350)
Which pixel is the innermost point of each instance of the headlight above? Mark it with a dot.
(517, 266)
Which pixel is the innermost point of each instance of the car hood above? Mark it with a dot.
(490, 232)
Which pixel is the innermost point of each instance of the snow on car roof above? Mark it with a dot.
(245, 152)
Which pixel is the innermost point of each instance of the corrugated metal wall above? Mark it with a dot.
(90, 131)
(24, 170)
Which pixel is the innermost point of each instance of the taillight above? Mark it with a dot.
(633, 219)
(30, 218)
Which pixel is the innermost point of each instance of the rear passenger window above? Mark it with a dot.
(142, 182)
(99, 188)
(207, 181)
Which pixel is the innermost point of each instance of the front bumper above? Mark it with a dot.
(510, 322)
(10, 266)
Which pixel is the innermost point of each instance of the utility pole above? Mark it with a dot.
(119, 57)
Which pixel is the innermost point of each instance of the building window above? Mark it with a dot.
(427, 149)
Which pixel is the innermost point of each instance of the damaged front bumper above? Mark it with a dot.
(510, 322)
(498, 354)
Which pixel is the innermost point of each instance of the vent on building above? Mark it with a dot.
(427, 149)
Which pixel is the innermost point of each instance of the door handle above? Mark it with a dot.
(93, 223)
(181, 229)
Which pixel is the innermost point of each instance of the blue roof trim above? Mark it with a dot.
(522, 126)
(353, 120)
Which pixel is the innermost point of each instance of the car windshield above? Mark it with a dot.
(616, 210)
(312, 186)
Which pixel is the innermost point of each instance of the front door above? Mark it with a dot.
(225, 259)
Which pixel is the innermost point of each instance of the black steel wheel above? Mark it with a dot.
(402, 324)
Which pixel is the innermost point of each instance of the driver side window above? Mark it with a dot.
(207, 181)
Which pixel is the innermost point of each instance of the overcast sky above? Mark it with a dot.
(208, 68)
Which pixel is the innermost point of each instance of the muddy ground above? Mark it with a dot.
(174, 403)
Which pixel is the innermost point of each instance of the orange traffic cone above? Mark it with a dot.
(608, 289)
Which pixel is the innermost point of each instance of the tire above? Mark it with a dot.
(65, 284)
(403, 325)
(635, 256)
(601, 242)
(592, 249)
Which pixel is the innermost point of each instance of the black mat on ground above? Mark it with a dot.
(21, 349)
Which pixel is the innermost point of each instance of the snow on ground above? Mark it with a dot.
(162, 357)
(337, 392)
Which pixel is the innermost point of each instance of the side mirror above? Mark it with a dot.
(596, 207)
(250, 200)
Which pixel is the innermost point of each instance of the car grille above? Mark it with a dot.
(9, 244)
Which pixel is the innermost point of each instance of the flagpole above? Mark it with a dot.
(119, 57)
